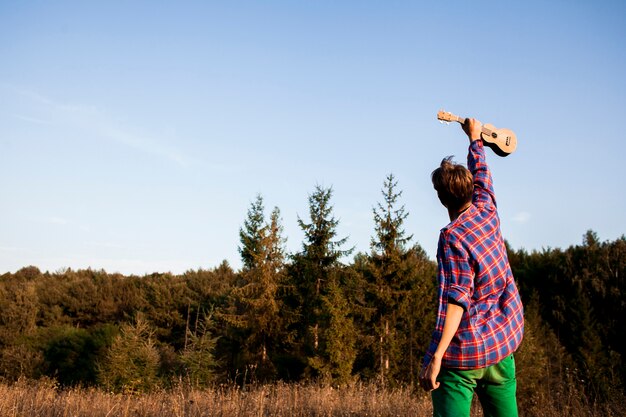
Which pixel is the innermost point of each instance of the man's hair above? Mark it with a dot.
(454, 184)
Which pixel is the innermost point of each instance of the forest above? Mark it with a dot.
(311, 316)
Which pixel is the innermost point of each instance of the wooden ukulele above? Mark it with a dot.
(502, 141)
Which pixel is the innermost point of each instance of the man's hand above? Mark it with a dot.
(473, 128)
(428, 377)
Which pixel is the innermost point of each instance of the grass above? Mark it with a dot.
(44, 398)
(288, 400)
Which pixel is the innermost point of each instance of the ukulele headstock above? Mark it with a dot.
(445, 116)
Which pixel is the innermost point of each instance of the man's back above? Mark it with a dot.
(474, 271)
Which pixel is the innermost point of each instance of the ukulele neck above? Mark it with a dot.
(462, 121)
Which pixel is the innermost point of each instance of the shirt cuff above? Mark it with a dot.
(478, 143)
(459, 296)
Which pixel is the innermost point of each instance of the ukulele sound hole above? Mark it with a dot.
(493, 135)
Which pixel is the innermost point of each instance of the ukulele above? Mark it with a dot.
(502, 141)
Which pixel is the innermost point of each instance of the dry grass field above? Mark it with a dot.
(286, 400)
(45, 399)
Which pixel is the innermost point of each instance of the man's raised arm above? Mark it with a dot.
(476, 163)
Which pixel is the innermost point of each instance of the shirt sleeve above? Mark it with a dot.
(458, 274)
(483, 184)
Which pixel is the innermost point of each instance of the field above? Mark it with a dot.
(288, 400)
(43, 398)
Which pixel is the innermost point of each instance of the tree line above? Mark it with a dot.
(307, 316)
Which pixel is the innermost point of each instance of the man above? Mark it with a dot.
(480, 315)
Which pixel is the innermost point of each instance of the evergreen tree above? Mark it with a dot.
(327, 327)
(251, 234)
(198, 355)
(255, 309)
(390, 241)
(132, 361)
(387, 283)
(399, 288)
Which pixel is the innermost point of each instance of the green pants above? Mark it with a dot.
(494, 385)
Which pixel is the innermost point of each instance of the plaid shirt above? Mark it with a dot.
(474, 273)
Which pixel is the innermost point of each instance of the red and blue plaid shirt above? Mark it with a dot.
(474, 273)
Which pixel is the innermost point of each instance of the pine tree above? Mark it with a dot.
(326, 324)
(255, 300)
(398, 288)
(251, 234)
(197, 357)
(132, 361)
(390, 241)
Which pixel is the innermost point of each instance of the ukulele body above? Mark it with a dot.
(502, 141)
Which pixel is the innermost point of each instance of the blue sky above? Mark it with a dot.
(135, 135)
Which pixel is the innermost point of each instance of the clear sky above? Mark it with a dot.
(135, 135)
